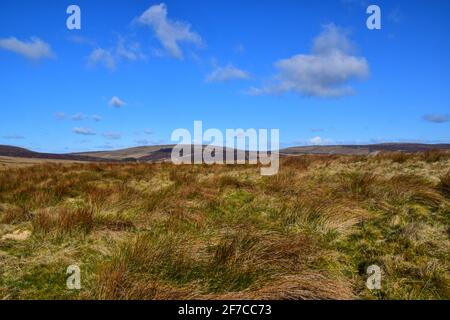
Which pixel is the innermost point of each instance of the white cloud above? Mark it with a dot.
(319, 141)
(315, 140)
(332, 39)
(102, 57)
(112, 135)
(116, 102)
(78, 116)
(35, 49)
(169, 32)
(325, 72)
(109, 58)
(436, 118)
(129, 50)
(83, 131)
(96, 118)
(227, 73)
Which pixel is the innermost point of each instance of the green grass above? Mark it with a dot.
(159, 231)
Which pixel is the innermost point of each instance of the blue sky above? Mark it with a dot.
(137, 70)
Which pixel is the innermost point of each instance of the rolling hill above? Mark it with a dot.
(17, 152)
(364, 149)
(163, 152)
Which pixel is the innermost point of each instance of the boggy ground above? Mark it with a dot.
(160, 231)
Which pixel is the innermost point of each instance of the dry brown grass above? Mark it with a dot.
(304, 286)
(159, 231)
(435, 156)
(444, 184)
(398, 157)
(63, 220)
(298, 162)
(357, 184)
(10, 214)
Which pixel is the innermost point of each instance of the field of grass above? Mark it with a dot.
(15, 162)
(160, 231)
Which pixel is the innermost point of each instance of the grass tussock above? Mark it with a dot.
(299, 162)
(444, 184)
(396, 157)
(10, 214)
(433, 156)
(63, 220)
(357, 184)
(237, 262)
(159, 231)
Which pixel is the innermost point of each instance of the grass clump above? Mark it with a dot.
(64, 220)
(444, 184)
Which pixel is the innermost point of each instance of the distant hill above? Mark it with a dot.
(156, 152)
(144, 154)
(163, 152)
(17, 152)
(364, 149)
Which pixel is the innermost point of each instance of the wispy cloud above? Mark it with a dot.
(395, 15)
(239, 48)
(60, 115)
(142, 142)
(103, 58)
(436, 118)
(146, 142)
(112, 135)
(147, 132)
(325, 72)
(110, 58)
(96, 118)
(78, 116)
(129, 50)
(116, 102)
(34, 49)
(84, 131)
(105, 146)
(170, 33)
(14, 137)
(227, 73)
(81, 40)
(84, 141)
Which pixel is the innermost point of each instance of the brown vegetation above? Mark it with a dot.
(159, 231)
